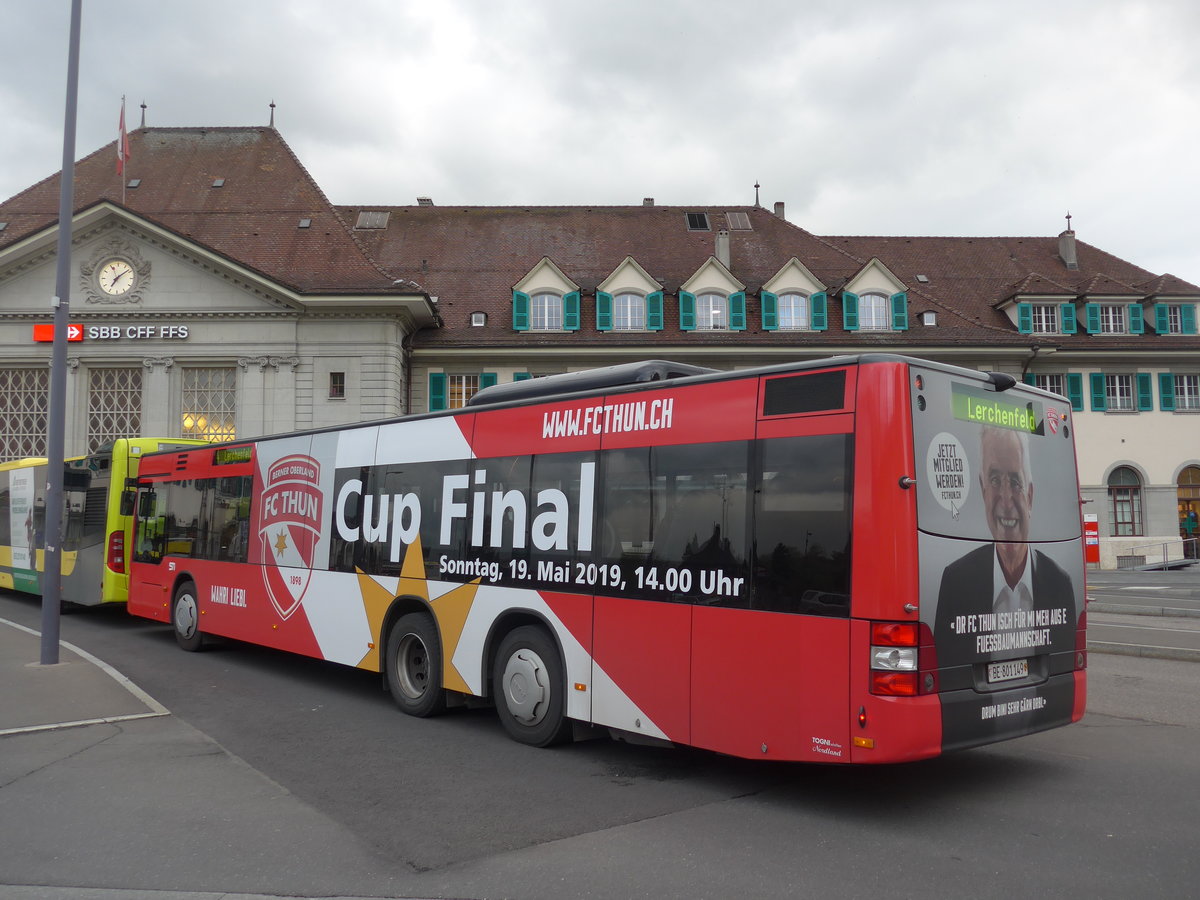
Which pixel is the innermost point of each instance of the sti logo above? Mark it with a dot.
(289, 526)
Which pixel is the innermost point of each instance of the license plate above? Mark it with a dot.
(1007, 671)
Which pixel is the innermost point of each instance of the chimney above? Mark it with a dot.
(779, 209)
(1066, 250)
(647, 201)
(722, 253)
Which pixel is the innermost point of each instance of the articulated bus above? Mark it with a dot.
(840, 561)
(97, 521)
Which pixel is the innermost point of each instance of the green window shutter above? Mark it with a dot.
(1029, 378)
(1166, 391)
(486, 379)
(1145, 392)
(770, 310)
(1137, 319)
(737, 311)
(1162, 318)
(849, 311)
(654, 311)
(1092, 311)
(522, 376)
(604, 305)
(1075, 390)
(437, 391)
(1187, 317)
(1066, 312)
(899, 311)
(520, 311)
(1025, 318)
(687, 311)
(571, 311)
(818, 305)
(1099, 397)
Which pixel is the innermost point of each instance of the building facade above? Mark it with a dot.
(219, 293)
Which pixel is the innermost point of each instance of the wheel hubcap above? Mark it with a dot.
(412, 666)
(185, 615)
(526, 692)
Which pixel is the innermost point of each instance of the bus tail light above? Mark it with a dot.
(894, 658)
(116, 552)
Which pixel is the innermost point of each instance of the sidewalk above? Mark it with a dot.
(104, 795)
(80, 690)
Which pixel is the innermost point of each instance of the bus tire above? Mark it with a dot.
(185, 617)
(529, 683)
(414, 666)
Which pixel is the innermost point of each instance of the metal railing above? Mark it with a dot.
(1170, 554)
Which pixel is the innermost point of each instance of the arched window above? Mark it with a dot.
(1124, 502)
(712, 312)
(546, 312)
(874, 312)
(793, 312)
(629, 312)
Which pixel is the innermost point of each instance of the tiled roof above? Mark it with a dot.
(252, 218)
(471, 257)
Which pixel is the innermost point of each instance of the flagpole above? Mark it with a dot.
(122, 156)
(57, 414)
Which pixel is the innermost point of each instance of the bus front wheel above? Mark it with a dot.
(530, 688)
(414, 666)
(185, 616)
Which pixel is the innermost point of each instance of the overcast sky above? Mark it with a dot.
(898, 117)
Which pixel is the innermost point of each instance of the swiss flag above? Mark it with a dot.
(122, 141)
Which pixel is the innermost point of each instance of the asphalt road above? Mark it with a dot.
(1145, 613)
(364, 801)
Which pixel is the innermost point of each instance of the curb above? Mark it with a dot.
(1129, 609)
(1184, 654)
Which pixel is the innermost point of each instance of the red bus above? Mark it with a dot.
(831, 561)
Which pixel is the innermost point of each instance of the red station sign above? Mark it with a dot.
(45, 333)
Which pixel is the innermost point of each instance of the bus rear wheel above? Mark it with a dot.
(185, 616)
(414, 666)
(530, 688)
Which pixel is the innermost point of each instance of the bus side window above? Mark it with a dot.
(802, 525)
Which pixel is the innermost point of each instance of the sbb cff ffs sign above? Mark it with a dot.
(45, 333)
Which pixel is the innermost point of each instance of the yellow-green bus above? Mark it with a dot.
(97, 521)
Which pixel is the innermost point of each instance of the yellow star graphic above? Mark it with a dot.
(280, 543)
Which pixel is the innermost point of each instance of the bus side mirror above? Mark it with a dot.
(146, 504)
(127, 501)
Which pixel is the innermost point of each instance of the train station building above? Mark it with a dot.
(217, 292)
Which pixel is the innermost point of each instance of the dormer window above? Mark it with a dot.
(1115, 318)
(629, 312)
(1046, 318)
(793, 312)
(874, 311)
(712, 312)
(545, 310)
(1112, 320)
(478, 319)
(1175, 318)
